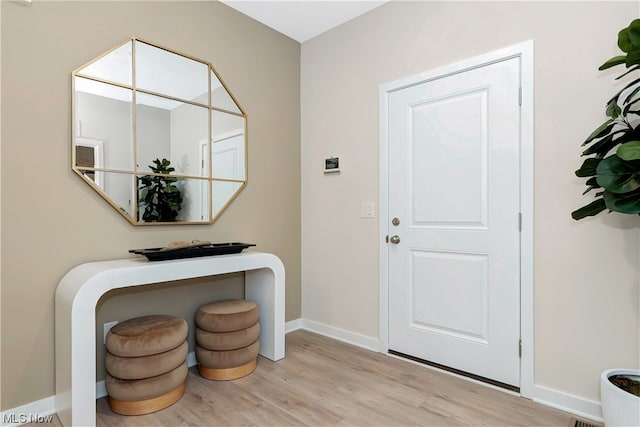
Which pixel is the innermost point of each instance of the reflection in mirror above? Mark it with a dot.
(164, 72)
(171, 131)
(115, 66)
(90, 155)
(228, 148)
(172, 139)
(167, 199)
(222, 193)
(220, 98)
(196, 200)
(159, 194)
(118, 191)
(104, 112)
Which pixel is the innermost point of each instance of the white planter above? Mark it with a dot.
(619, 408)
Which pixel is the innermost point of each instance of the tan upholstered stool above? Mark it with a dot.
(146, 364)
(227, 338)
(228, 315)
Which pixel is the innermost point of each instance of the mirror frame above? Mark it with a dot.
(77, 138)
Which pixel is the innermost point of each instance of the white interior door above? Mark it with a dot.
(454, 274)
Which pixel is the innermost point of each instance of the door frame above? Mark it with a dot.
(523, 51)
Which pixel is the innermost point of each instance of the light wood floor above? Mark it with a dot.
(323, 382)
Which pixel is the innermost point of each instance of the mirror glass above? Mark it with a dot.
(118, 191)
(114, 66)
(220, 98)
(222, 192)
(158, 134)
(179, 76)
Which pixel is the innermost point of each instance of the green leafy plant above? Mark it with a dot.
(612, 166)
(159, 194)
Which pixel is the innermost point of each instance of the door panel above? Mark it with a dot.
(441, 147)
(458, 309)
(454, 290)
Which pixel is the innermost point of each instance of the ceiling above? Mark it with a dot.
(302, 19)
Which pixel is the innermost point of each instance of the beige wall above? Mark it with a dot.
(52, 221)
(586, 274)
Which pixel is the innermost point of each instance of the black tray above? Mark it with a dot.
(156, 254)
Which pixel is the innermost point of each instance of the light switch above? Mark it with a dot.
(367, 210)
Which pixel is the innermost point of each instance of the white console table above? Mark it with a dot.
(80, 289)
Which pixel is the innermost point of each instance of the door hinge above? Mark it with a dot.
(520, 95)
(520, 348)
(519, 221)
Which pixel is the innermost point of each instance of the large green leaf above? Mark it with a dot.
(629, 151)
(591, 209)
(631, 94)
(624, 41)
(601, 131)
(634, 32)
(591, 184)
(613, 109)
(602, 147)
(627, 108)
(617, 175)
(615, 97)
(616, 60)
(588, 168)
(627, 203)
(633, 57)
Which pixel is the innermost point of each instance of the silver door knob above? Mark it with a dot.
(395, 239)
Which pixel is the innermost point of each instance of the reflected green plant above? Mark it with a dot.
(161, 198)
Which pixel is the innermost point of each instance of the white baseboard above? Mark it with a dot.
(191, 359)
(40, 410)
(293, 325)
(566, 402)
(343, 335)
(101, 390)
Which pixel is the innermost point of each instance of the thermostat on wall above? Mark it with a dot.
(332, 164)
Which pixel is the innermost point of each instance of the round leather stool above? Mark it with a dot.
(146, 364)
(227, 338)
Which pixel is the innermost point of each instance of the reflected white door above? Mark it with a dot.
(454, 279)
(228, 154)
(228, 163)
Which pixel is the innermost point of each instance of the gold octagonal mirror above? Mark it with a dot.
(157, 134)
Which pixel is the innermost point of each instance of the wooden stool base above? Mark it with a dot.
(141, 407)
(228, 373)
